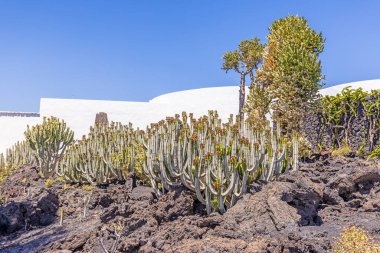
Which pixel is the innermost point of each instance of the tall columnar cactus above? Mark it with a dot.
(102, 156)
(2, 161)
(217, 161)
(19, 154)
(49, 141)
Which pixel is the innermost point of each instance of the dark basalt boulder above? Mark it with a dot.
(39, 211)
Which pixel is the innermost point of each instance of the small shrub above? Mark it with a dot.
(87, 187)
(60, 180)
(23, 180)
(49, 183)
(304, 147)
(355, 240)
(67, 186)
(345, 150)
(375, 153)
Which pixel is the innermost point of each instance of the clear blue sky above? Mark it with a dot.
(136, 50)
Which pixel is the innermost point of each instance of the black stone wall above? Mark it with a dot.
(319, 133)
(19, 114)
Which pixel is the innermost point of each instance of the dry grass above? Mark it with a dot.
(49, 183)
(355, 240)
(87, 187)
(342, 151)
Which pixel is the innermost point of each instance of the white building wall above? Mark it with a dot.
(225, 100)
(80, 114)
(12, 130)
(366, 85)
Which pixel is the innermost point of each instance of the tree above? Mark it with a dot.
(245, 60)
(292, 30)
(292, 73)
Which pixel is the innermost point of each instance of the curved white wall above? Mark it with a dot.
(80, 114)
(366, 85)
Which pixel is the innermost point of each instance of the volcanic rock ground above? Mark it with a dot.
(302, 212)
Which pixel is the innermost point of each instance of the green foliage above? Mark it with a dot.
(295, 85)
(246, 58)
(286, 34)
(244, 61)
(288, 80)
(375, 153)
(231, 61)
(292, 70)
(371, 107)
(49, 141)
(344, 150)
(339, 111)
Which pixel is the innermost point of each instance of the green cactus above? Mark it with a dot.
(212, 159)
(215, 160)
(19, 154)
(107, 153)
(48, 141)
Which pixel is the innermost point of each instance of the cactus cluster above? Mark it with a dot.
(49, 141)
(19, 154)
(104, 155)
(217, 161)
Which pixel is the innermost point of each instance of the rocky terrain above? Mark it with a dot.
(303, 212)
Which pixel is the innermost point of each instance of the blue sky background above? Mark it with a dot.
(136, 50)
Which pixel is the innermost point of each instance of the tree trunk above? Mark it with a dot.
(252, 77)
(242, 95)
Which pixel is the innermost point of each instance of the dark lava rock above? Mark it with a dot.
(302, 212)
(143, 193)
(17, 215)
